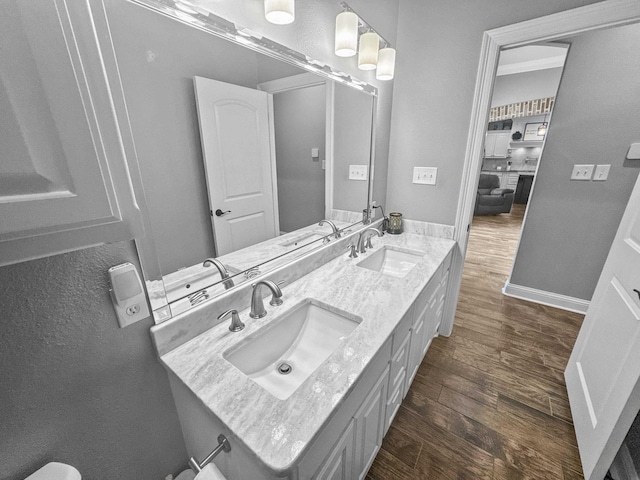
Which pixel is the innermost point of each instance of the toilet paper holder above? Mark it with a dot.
(223, 445)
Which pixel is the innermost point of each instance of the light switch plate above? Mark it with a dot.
(602, 173)
(315, 153)
(634, 152)
(425, 175)
(582, 172)
(358, 172)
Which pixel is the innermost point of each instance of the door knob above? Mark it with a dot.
(219, 212)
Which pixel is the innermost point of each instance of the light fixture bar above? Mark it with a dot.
(364, 27)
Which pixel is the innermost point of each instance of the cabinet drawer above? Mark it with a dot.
(401, 329)
(399, 363)
(395, 399)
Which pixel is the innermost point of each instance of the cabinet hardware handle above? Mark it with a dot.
(219, 212)
(637, 291)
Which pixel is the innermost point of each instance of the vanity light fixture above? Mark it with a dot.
(346, 34)
(280, 12)
(386, 63)
(368, 51)
(350, 26)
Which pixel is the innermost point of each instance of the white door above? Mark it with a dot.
(237, 144)
(604, 368)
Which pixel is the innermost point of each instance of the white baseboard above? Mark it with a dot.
(546, 298)
(623, 467)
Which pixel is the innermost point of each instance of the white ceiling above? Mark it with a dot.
(530, 58)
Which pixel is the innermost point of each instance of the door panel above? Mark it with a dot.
(236, 145)
(603, 371)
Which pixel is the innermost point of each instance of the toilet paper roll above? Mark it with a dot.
(210, 472)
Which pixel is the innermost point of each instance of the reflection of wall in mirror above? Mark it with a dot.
(300, 126)
(157, 70)
(352, 145)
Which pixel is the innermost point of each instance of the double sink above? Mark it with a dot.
(284, 353)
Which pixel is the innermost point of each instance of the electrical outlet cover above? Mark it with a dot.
(358, 172)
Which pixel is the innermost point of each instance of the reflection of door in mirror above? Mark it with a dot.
(236, 149)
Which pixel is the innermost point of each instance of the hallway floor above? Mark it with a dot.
(490, 400)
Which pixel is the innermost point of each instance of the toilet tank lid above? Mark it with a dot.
(55, 471)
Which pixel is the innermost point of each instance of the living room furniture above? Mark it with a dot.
(492, 199)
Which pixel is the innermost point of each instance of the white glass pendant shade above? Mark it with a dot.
(279, 12)
(368, 51)
(386, 63)
(542, 130)
(346, 34)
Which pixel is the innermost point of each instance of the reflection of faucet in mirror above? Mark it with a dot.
(385, 220)
(228, 283)
(336, 232)
(362, 248)
(257, 305)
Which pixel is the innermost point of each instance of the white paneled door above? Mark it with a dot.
(239, 163)
(604, 368)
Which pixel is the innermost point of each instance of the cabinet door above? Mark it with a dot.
(489, 144)
(415, 348)
(339, 463)
(369, 424)
(501, 145)
(64, 177)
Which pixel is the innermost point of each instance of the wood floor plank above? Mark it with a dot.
(489, 401)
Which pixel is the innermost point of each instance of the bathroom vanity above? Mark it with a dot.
(376, 317)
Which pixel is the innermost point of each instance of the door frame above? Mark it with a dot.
(544, 29)
(305, 80)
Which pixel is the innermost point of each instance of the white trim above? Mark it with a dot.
(302, 80)
(550, 299)
(531, 65)
(550, 28)
(329, 146)
(274, 166)
(623, 467)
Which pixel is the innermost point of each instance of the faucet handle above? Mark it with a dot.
(236, 323)
(354, 250)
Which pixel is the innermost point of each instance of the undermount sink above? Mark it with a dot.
(281, 356)
(392, 261)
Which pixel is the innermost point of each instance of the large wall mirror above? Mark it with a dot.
(242, 153)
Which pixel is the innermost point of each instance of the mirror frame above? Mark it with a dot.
(237, 34)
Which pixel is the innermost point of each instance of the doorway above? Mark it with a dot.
(587, 19)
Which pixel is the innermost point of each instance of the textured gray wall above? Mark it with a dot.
(521, 87)
(438, 52)
(76, 388)
(570, 225)
(300, 126)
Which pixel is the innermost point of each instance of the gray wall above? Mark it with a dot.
(300, 126)
(352, 136)
(438, 52)
(75, 387)
(521, 87)
(570, 225)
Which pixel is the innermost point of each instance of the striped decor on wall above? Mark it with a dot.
(539, 106)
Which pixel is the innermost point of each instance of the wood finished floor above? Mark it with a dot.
(489, 402)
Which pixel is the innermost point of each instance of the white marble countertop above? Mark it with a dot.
(278, 431)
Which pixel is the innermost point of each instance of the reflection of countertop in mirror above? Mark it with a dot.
(278, 431)
(186, 282)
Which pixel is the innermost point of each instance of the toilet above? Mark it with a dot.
(55, 471)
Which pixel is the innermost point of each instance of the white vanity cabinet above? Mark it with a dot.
(347, 443)
(66, 150)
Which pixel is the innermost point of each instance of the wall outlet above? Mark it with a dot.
(602, 173)
(358, 172)
(425, 175)
(582, 172)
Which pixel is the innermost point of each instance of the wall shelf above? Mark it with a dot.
(526, 144)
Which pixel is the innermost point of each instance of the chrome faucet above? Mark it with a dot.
(362, 247)
(257, 304)
(228, 282)
(336, 232)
